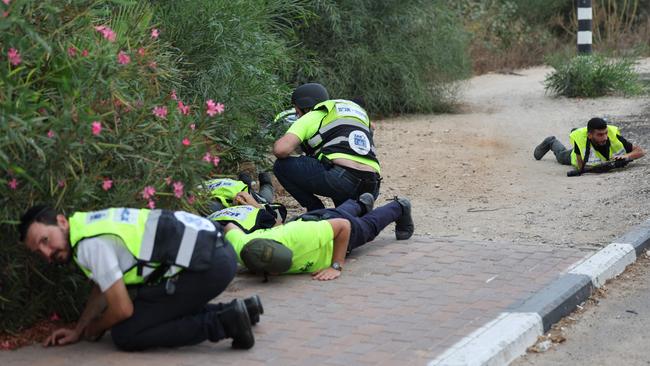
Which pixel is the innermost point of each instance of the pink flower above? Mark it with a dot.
(13, 184)
(191, 199)
(148, 192)
(153, 65)
(97, 128)
(184, 109)
(214, 108)
(6, 2)
(178, 189)
(14, 56)
(50, 134)
(84, 53)
(168, 180)
(215, 161)
(61, 183)
(160, 112)
(54, 317)
(173, 95)
(6, 345)
(141, 51)
(106, 32)
(207, 157)
(151, 204)
(186, 141)
(155, 33)
(5, 14)
(107, 184)
(192, 127)
(72, 52)
(123, 58)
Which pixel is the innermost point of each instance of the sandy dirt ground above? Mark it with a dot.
(472, 175)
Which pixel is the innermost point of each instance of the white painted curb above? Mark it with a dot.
(507, 337)
(607, 263)
(496, 343)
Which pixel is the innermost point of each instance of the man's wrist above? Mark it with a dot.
(337, 266)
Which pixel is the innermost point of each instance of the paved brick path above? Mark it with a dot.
(397, 302)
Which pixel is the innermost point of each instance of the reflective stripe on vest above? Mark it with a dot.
(153, 237)
(344, 129)
(579, 137)
(243, 216)
(225, 189)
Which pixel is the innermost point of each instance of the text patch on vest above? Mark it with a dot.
(359, 142)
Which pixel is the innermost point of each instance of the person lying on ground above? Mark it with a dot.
(598, 142)
(224, 190)
(249, 215)
(318, 241)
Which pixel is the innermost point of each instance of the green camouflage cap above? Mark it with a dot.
(266, 256)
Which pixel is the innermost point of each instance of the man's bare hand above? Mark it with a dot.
(326, 274)
(245, 198)
(61, 337)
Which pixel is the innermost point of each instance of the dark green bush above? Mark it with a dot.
(593, 76)
(237, 52)
(77, 130)
(400, 56)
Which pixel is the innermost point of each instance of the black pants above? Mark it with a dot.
(183, 318)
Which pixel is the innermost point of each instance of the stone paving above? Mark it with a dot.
(396, 303)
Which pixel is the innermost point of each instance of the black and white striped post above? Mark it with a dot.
(584, 27)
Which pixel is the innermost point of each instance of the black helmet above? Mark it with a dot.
(308, 95)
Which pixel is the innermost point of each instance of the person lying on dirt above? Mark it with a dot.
(340, 159)
(249, 215)
(592, 145)
(154, 272)
(223, 190)
(319, 240)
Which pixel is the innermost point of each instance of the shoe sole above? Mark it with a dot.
(244, 318)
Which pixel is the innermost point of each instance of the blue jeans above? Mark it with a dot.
(363, 228)
(305, 177)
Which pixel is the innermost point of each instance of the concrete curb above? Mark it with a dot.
(505, 338)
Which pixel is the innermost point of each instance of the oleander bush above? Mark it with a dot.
(92, 115)
(241, 53)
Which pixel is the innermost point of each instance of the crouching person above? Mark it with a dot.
(318, 241)
(175, 262)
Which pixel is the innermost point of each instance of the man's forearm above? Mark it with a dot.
(341, 241)
(94, 307)
(636, 153)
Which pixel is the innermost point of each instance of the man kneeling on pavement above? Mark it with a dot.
(176, 261)
(319, 240)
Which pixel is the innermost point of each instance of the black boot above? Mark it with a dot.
(404, 226)
(244, 177)
(543, 148)
(254, 308)
(265, 178)
(367, 202)
(237, 325)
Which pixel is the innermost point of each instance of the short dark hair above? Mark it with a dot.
(39, 213)
(596, 123)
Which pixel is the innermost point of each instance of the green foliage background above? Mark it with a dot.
(402, 57)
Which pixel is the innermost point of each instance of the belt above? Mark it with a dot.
(362, 174)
